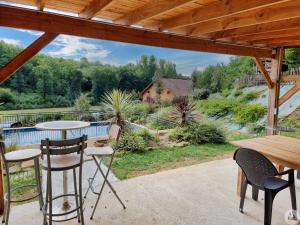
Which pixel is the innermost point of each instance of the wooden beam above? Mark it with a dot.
(264, 72)
(215, 10)
(150, 10)
(40, 4)
(93, 8)
(272, 41)
(289, 94)
(55, 23)
(273, 101)
(280, 25)
(268, 35)
(290, 78)
(25, 56)
(268, 14)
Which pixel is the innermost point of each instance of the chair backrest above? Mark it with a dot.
(255, 166)
(114, 132)
(63, 147)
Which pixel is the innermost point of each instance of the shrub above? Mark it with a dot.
(249, 96)
(147, 136)
(237, 93)
(160, 120)
(82, 104)
(225, 93)
(217, 107)
(201, 94)
(130, 141)
(248, 113)
(6, 96)
(197, 133)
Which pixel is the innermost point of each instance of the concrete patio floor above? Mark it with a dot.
(202, 194)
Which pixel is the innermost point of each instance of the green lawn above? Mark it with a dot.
(135, 164)
(21, 111)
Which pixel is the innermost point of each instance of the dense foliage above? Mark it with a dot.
(54, 82)
(197, 133)
(248, 113)
(219, 77)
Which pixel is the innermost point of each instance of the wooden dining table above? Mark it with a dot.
(281, 150)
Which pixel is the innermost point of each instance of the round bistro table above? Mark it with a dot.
(63, 126)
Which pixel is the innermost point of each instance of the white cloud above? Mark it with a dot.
(10, 41)
(76, 48)
(32, 32)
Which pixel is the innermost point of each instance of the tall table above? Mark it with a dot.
(282, 151)
(63, 126)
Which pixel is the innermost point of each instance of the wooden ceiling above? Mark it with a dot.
(265, 24)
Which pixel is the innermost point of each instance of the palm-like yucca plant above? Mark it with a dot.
(118, 102)
(184, 111)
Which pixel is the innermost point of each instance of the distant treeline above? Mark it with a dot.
(55, 82)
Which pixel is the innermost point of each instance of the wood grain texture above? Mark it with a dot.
(93, 8)
(54, 23)
(289, 94)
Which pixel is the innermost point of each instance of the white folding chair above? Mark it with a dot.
(99, 153)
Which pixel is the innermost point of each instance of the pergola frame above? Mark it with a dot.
(257, 28)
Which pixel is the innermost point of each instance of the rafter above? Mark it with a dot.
(257, 29)
(149, 11)
(264, 72)
(33, 20)
(268, 35)
(25, 56)
(215, 10)
(40, 4)
(289, 94)
(274, 41)
(275, 12)
(93, 8)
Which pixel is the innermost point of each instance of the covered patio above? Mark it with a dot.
(201, 194)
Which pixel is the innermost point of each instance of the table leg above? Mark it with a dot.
(1, 190)
(240, 179)
(66, 204)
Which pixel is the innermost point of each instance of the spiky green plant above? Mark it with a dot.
(184, 111)
(118, 102)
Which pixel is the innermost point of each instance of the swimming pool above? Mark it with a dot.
(31, 135)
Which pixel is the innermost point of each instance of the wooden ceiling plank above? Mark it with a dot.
(275, 12)
(216, 10)
(148, 11)
(257, 29)
(55, 23)
(270, 41)
(264, 72)
(93, 8)
(11, 67)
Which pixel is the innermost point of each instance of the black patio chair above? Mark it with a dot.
(261, 174)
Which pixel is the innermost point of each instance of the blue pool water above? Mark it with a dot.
(28, 136)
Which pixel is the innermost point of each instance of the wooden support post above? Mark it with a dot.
(273, 105)
(24, 56)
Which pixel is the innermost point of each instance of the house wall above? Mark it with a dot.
(150, 93)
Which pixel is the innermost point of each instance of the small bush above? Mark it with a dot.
(201, 94)
(166, 103)
(217, 107)
(248, 113)
(130, 141)
(147, 136)
(249, 97)
(6, 96)
(160, 120)
(197, 133)
(225, 93)
(237, 93)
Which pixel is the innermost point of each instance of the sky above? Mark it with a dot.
(114, 53)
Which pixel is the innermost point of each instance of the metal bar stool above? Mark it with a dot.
(101, 152)
(63, 155)
(16, 157)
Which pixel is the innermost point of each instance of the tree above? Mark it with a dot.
(118, 102)
(292, 57)
(44, 84)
